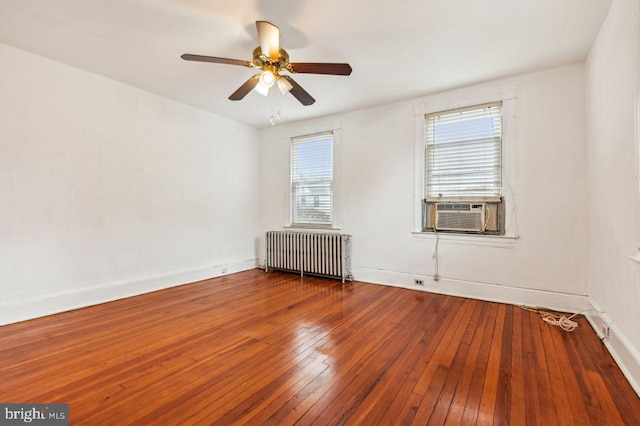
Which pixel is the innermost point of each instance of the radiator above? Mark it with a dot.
(309, 253)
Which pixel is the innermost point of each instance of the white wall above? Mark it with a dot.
(107, 190)
(376, 191)
(613, 197)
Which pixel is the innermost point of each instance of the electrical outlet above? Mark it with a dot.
(418, 282)
(605, 330)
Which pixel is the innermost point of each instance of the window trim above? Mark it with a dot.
(636, 105)
(335, 128)
(508, 98)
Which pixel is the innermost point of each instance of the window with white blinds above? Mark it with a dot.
(312, 180)
(464, 153)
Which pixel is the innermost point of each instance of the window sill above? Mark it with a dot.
(309, 228)
(500, 241)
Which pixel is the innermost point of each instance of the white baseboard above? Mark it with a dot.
(563, 302)
(56, 303)
(622, 351)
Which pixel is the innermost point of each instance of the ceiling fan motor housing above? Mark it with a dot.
(260, 60)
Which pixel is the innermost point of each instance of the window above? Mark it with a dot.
(463, 153)
(463, 170)
(312, 180)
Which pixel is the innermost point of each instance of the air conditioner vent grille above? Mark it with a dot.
(458, 207)
(460, 217)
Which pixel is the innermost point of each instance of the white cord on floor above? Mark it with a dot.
(562, 321)
(567, 324)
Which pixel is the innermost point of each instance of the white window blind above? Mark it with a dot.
(312, 179)
(464, 153)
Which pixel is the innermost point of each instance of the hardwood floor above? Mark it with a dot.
(273, 348)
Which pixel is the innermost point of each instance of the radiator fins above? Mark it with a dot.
(322, 254)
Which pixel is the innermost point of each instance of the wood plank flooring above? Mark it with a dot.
(256, 348)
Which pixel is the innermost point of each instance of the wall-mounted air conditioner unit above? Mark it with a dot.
(468, 217)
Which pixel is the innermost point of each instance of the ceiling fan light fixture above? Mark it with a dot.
(262, 89)
(265, 82)
(284, 85)
(267, 79)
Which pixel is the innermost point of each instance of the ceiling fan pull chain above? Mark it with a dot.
(276, 112)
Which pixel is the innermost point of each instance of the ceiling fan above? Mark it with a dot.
(271, 59)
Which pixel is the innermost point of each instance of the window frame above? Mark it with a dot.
(508, 98)
(334, 128)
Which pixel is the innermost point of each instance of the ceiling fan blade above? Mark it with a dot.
(245, 88)
(269, 36)
(319, 68)
(299, 93)
(214, 59)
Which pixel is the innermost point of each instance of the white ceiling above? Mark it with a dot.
(398, 49)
